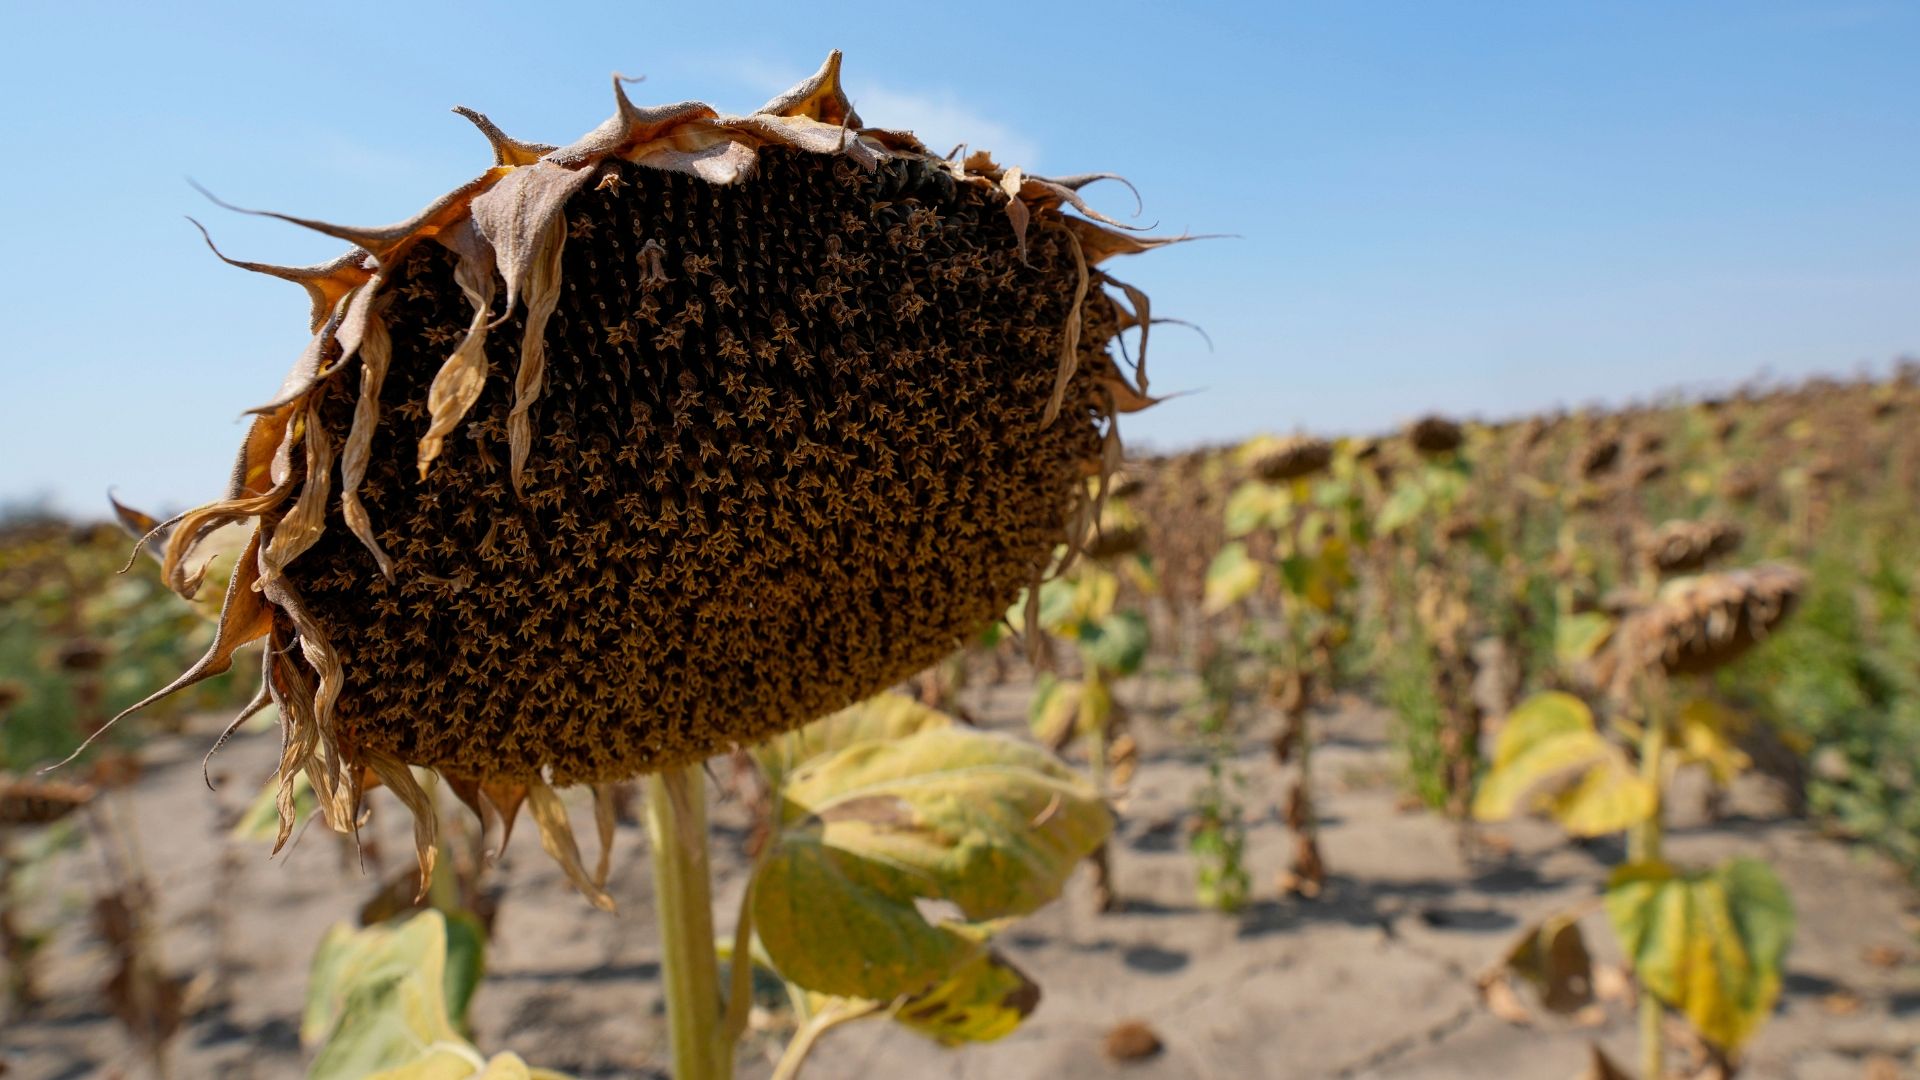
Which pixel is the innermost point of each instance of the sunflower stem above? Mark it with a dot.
(1644, 845)
(683, 903)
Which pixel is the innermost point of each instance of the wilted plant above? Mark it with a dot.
(1306, 524)
(1080, 610)
(1425, 514)
(1709, 943)
(1218, 835)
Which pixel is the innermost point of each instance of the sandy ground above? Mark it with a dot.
(1373, 979)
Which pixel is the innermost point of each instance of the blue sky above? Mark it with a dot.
(1484, 208)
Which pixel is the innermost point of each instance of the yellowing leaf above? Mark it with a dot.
(984, 1000)
(1054, 714)
(1096, 705)
(442, 1062)
(1709, 944)
(1232, 576)
(987, 823)
(261, 819)
(1538, 719)
(1095, 592)
(1706, 728)
(1402, 508)
(1578, 638)
(376, 997)
(464, 1063)
(1549, 756)
(377, 1005)
(1610, 796)
(881, 718)
(1256, 505)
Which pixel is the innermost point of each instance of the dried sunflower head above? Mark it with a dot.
(26, 801)
(636, 450)
(1290, 458)
(1685, 547)
(1435, 435)
(1700, 623)
(1598, 457)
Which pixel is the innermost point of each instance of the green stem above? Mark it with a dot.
(1096, 688)
(683, 902)
(1643, 845)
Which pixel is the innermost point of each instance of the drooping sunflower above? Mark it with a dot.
(636, 450)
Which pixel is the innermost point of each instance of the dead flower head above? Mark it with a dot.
(1697, 624)
(1432, 435)
(1292, 458)
(1685, 547)
(632, 451)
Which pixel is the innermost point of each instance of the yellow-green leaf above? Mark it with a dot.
(1579, 637)
(1709, 944)
(377, 1005)
(462, 1063)
(1231, 577)
(1096, 705)
(1054, 714)
(1402, 508)
(261, 819)
(1094, 594)
(443, 1062)
(1706, 730)
(1539, 719)
(984, 1000)
(1116, 644)
(987, 823)
(1550, 756)
(881, 718)
(1255, 505)
(1609, 796)
(376, 997)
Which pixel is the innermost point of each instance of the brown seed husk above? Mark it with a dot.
(1131, 1040)
(662, 443)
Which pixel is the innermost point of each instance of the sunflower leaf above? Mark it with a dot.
(1550, 756)
(982, 1001)
(1710, 944)
(1232, 576)
(944, 816)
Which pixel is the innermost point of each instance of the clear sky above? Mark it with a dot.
(1487, 207)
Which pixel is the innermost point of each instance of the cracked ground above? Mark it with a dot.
(1375, 978)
